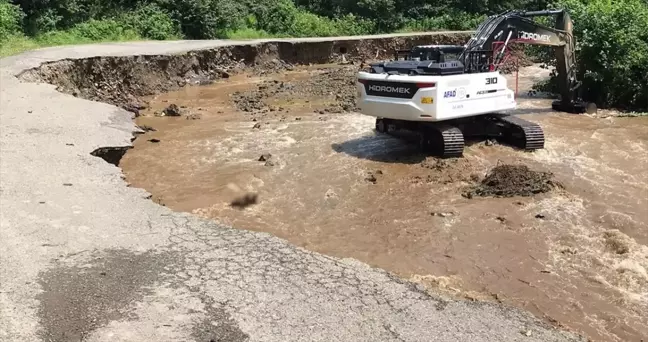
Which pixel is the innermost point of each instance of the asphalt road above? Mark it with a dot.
(86, 258)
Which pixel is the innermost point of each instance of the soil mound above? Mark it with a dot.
(336, 86)
(513, 180)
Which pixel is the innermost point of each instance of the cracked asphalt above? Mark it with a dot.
(84, 257)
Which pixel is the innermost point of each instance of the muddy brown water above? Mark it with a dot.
(576, 257)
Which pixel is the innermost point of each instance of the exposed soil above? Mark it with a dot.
(513, 180)
(336, 86)
(122, 81)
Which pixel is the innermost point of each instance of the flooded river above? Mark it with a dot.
(577, 257)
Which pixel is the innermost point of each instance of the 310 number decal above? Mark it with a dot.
(491, 80)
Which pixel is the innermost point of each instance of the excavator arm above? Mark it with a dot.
(519, 27)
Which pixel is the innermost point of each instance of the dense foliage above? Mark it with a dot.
(10, 20)
(612, 35)
(612, 51)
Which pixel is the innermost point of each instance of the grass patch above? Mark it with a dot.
(17, 44)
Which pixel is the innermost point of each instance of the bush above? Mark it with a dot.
(283, 18)
(612, 51)
(275, 17)
(206, 19)
(458, 21)
(50, 15)
(10, 20)
(311, 25)
(90, 31)
(151, 22)
(350, 25)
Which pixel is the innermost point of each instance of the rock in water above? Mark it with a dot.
(245, 201)
(172, 110)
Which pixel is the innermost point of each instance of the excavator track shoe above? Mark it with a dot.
(522, 133)
(442, 141)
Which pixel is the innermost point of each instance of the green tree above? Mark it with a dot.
(150, 21)
(205, 19)
(10, 19)
(612, 51)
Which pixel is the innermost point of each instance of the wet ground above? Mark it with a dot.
(576, 255)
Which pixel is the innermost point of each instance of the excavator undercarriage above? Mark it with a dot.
(447, 139)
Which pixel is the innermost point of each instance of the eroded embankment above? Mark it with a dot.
(121, 81)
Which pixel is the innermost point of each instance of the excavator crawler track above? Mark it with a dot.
(442, 140)
(521, 133)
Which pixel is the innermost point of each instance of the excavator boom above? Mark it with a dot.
(519, 27)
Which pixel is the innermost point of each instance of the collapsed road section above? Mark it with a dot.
(87, 258)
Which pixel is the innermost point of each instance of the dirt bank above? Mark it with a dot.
(121, 81)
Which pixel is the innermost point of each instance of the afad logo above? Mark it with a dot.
(450, 93)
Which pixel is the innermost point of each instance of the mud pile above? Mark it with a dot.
(337, 86)
(513, 180)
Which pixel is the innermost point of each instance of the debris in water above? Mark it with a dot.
(154, 140)
(371, 178)
(265, 157)
(172, 110)
(443, 214)
(194, 116)
(245, 201)
(256, 126)
(513, 180)
(437, 164)
(146, 128)
(540, 216)
(617, 242)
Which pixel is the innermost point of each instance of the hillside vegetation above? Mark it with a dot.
(612, 35)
